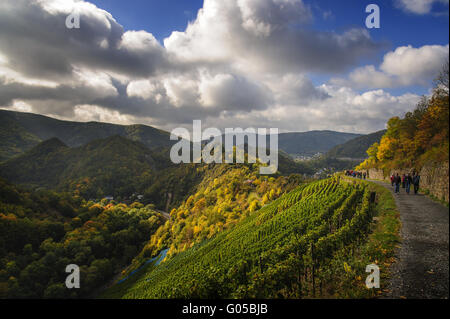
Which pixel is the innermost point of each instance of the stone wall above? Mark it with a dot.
(433, 177)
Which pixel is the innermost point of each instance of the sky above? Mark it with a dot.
(295, 65)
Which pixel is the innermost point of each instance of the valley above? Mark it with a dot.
(104, 197)
(105, 169)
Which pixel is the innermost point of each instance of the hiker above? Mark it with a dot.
(408, 181)
(416, 182)
(403, 181)
(397, 181)
(392, 180)
(365, 175)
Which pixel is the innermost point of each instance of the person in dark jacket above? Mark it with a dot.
(403, 180)
(408, 181)
(397, 182)
(416, 182)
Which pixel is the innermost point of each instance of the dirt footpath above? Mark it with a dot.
(422, 267)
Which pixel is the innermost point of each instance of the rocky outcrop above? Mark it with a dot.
(434, 178)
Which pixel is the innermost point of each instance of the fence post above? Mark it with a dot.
(313, 270)
(372, 197)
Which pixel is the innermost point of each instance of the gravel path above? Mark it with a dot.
(422, 267)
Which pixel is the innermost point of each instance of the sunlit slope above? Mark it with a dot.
(270, 254)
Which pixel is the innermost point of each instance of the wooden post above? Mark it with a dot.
(320, 287)
(260, 265)
(372, 197)
(313, 270)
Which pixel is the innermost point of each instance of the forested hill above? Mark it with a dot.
(313, 142)
(14, 139)
(42, 232)
(355, 148)
(115, 166)
(420, 137)
(100, 168)
(21, 131)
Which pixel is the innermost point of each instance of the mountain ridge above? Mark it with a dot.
(116, 161)
(35, 128)
(21, 131)
(312, 142)
(356, 148)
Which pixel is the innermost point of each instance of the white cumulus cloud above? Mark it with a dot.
(405, 66)
(418, 6)
(238, 63)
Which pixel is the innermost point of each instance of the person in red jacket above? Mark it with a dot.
(392, 179)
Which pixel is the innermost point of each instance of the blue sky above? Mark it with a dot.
(161, 17)
(398, 28)
(295, 65)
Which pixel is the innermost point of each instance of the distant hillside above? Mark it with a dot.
(21, 131)
(103, 167)
(300, 144)
(311, 143)
(14, 139)
(355, 148)
(114, 166)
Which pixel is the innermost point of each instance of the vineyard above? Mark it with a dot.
(311, 242)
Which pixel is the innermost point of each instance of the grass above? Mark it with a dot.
(383, 242)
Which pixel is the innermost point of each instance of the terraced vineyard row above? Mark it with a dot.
(297, 246)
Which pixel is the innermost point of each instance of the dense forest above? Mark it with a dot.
(355, 148)
(100, 168)
(420, 137)
(43, 232)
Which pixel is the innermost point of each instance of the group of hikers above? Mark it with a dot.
(406, 180)
(359, 175)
